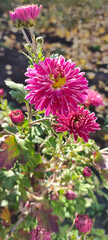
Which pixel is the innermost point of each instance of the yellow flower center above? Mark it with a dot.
(59, 82)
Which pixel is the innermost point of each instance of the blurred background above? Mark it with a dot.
(77, 29)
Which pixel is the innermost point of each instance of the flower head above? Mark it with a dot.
(83, 223)
(56, 86)
(70, 195)
(25, 16)
(1, 92)
(16, 116)
(77, 123)
(94, 98)
(40, 234)
(87, 172)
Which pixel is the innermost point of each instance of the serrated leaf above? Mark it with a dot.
(18, 92)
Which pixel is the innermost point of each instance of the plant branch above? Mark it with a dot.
(26, 38)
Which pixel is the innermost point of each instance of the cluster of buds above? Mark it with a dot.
(40, 234)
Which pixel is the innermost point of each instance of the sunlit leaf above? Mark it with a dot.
(18, 92)
(5, 215)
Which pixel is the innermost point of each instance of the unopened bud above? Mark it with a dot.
(40, 41)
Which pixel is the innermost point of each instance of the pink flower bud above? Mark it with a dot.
(16, 116)
(25, 16)
(87, 172)
(54, 197)
(27, 205)
(1, 92)
(70, 195)
(83, 223)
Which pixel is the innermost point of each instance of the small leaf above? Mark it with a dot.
(18, 91)
(73, 237)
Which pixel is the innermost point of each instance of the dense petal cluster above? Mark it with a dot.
(81, 123)
(56, 86)
(83, 223)
(70, 195)
(1, 92)
(94, 98)
(40, 234)
(16, 116)
(25, 16)
(87, 172)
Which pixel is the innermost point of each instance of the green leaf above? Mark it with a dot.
(18, 92)
(91, 238)
(9, 182)
(23, 192)
(73, 237)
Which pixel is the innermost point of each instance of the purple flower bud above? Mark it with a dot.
(83, 223)
(70, 195)
(87, 172)
(16, 116)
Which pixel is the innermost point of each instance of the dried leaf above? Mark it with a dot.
(5, 215)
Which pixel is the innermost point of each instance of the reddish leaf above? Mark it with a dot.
(9, 152)
(46, 219)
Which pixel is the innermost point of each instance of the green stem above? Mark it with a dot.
(26, 38)
(33, 42)
(39, 120)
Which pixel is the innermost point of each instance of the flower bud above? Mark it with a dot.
(87, 172)
(83, 223)
(17, 117)
(39, 40)
(54, 197)
(25, 16)
(1, 92)
(70, 195)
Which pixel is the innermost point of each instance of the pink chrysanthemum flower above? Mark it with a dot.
(56, 86)
(77, 123)
(16, 116)
(25, 16)
(40, 234)
(94, 98)
(83, 223)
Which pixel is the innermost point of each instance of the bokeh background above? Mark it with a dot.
(77, 29)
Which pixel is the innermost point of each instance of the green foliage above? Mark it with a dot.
(18, 91)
